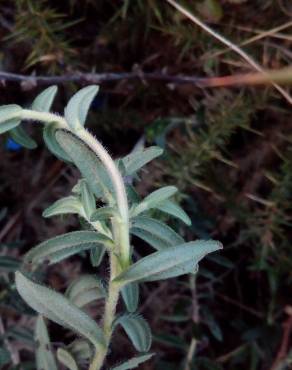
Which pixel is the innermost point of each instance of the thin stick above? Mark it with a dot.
(228, 43)
(257, 37)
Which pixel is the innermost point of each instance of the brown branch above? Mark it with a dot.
(283, 76)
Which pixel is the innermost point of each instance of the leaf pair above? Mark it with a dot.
(159, 199)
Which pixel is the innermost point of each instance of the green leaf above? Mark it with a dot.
(59, 309)
(45, 360)
(64, 206)
(88, 164)
(130, 294)
(8, 263)
(154, 232)
(9, 117)
(137, 330)
(154, 199)
(103, 213)
(174, 210)
(20, 136)
(44, 101)
(80, 349)
(63, 246)
(85, 289)
(78, 106)
(87, 199)
(9, 125)
(66, 359)
(133, 362)
(49, 135)
(170, 262)
(134, 161)
(96, 255)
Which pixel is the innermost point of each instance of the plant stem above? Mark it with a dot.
(107, 161)
(120, 256)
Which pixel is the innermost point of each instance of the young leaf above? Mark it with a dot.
(174, 210)
(9, 125)
(45, 360)
(66, 359)
(19, 135)
(133, 362)
(80, 349)
(59, 309)
(154, 232)
(85, 289)
(44, 101)
(87, 199)
(63, 206)
(49, 135)
(96, 255)
(63, 246)
(103, 213)
(88, 164)
(137, 330)
(134, 161)
(130, 294)
(78, 106)
(154, 199)
(170, 262)
(9, 117)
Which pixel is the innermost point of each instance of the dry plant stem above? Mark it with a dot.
(228, 43)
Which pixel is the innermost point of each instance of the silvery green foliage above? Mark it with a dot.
(103, 198)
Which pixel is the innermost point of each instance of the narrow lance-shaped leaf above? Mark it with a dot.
(9, 117)
(130, 294)
(133, 362)
(62, 206)
(88, 164)
(137, 330)
(78, 106)
(66, 359)
(103, 213)
(87, 199)
(96, 255)
(155, 198)
(62, 246)
(134, 161)
(19, 135)
(174, 210)
(44, 101)
(85, 289)
(49, 135)
(45, 360)
(156, 233)
(59, 309)
(170, 262)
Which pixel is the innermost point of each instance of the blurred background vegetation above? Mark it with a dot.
(229, 150)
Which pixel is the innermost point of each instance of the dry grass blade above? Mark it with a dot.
(228, 43)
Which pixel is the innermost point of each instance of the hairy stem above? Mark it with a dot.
(120, 256)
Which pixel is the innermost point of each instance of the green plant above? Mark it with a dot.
(112, 211)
